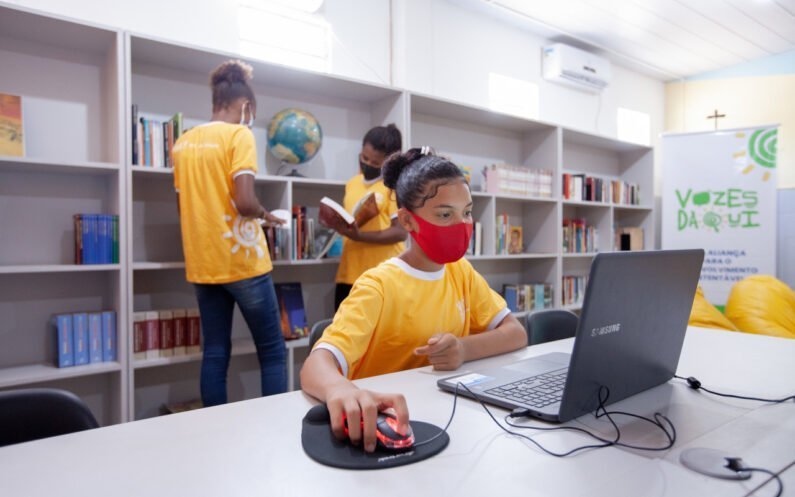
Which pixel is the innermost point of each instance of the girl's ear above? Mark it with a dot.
(407, 221)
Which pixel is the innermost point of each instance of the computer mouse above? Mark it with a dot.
(387, 434)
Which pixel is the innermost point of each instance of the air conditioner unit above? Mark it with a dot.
(571, 66)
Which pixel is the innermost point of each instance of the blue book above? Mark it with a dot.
(85, 238)
(95, 249)
(103, 237)
(291, 306)
(147, 143)
(80, 335)
(64, 340)
(109, 346)
(538, 293)
(94, 337)
(511, 297)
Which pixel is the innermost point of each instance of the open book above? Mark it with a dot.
(337, 218)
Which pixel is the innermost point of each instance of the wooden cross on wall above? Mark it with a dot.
(716, 116)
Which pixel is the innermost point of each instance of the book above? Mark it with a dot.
(12, 141)
(64, 340)
(509, 293)
(80, 336)
(166, 322)
(325, 240)
(94, 337)
(78, 228)
(180, 331)
(334, 216)
(115, 239)
(135, 135)
(193, 344)
(152, 333)
(291, 308)
(515, 245)
(139, 335)
(109, 345)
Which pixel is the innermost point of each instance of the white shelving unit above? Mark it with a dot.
(78, 137)
(70, 78)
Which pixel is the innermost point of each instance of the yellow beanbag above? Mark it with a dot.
(705, 315)
(763, 305)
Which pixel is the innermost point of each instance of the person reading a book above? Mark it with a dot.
(426, 306)
(226, 256)
(381, 237)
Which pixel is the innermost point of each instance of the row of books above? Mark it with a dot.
(509, 238)
(528, 297)
(573, 289)
(166, 333)
(629, 238)
(581, 187)
(505, 178)
(85, 338)
(96, 238)
(153, 140)
(476, 242)
(579, 238)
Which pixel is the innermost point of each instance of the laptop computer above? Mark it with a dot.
(629, 338)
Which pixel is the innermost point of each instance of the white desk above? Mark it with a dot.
(253, 448)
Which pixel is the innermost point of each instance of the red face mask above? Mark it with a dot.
(442, 244)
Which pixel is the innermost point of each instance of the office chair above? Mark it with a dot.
(317, 331)
(34, 413)
(550, 325)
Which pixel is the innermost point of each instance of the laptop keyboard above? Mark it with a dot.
(535, 391)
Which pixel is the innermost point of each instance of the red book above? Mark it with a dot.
(139, 335)
(180, 331)
(194, 332)
(166, 334)
(152, 332)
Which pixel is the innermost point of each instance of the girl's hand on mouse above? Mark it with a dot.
(445, 351)
(347, 401)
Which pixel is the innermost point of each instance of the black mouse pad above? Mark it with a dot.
(321, 445)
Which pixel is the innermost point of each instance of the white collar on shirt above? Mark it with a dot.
(416, 273)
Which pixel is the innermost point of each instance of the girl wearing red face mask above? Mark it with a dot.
(426, 306)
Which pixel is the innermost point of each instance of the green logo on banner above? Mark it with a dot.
(762, 147)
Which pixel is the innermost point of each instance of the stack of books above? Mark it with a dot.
(85, 338)
(504, 178)
(166, 333)
(578, 237)
(476, 242)
(96, 238)
(153, 140)
(574, 289)
(528, 297)
(581, 187)
(508, 238)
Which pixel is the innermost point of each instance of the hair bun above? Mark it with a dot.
(395, 164)
(232, 71)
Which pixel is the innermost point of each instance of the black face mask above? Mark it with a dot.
(369, 172)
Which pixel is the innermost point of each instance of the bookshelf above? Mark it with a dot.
(72, 164)
(78, 159)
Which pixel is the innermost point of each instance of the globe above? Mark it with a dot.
(294, 136)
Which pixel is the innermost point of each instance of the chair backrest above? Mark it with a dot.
(34, 413)
(550, 325)
(317, 331)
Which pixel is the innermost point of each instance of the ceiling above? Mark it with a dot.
(667, 39)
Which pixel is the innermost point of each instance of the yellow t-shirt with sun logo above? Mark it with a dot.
(395, 308)
(219, 244)
(358, 257)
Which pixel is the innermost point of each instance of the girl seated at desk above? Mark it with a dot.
(426, 306)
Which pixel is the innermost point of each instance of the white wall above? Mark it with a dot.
(440, 48)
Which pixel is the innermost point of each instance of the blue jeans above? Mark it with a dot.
(257, 300)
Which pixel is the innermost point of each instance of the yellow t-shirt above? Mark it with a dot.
(219, 244)
(395, 308)
(358, 257)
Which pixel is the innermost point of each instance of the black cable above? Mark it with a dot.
(604, 393)
(773, 476)
(695, 384)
